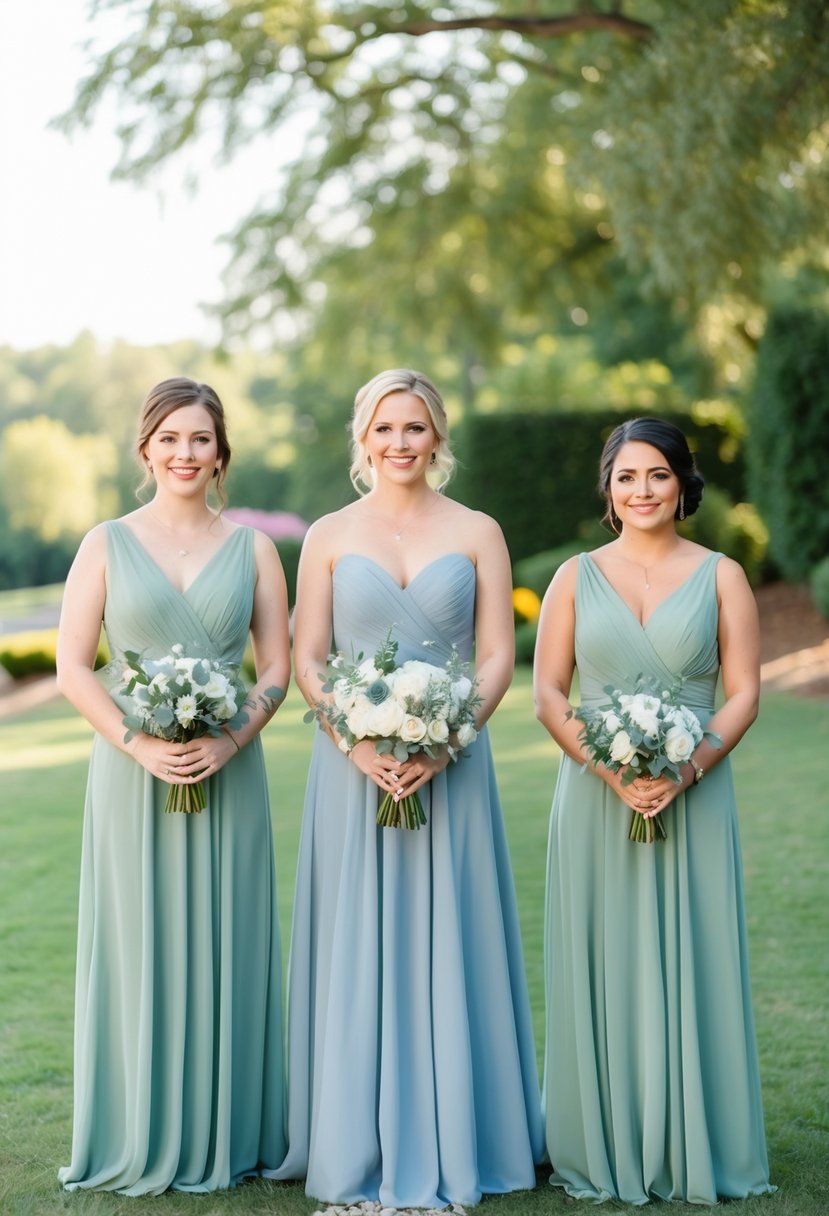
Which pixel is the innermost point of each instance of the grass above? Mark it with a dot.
(780, 769)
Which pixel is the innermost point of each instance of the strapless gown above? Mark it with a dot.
(651, 1078)
(412, 1070)
(178, 1030)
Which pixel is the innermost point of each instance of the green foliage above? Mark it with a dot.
(787, 447)
(537, 474)
(737, 531)
(33, 652)
(289, 550)
(482, 163)
(819, 586)
(537, 570)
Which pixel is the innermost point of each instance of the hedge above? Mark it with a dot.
(788, 444)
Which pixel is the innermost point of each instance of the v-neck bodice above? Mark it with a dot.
(147, 613)
(677, 643)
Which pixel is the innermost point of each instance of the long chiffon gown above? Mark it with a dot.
(412, 1071)
(651, 1078)
(178, 1033)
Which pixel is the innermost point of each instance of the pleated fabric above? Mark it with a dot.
(178, 1027)
(412, 1071)
(651, 1085)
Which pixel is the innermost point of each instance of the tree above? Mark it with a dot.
(691, 135)
(54, 483)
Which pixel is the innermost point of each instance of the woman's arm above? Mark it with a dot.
(494, 620)
(79, 632)
(555, 661)
(738, 636)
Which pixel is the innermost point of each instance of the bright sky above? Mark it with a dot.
(78, 251)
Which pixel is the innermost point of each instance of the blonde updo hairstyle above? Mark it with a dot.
(170, 395)
(398, 380)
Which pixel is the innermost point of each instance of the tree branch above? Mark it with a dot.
(535, 27)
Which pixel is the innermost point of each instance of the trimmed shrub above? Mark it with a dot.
(788, 441)
(33, 653)
(819, 586)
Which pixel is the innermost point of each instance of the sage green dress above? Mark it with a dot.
(651, 1078)
(178, 1033)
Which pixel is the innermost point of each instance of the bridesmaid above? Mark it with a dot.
(412, 1067)
(178, 1052)
(651, 1078)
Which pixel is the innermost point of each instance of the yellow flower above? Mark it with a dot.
(526, 603)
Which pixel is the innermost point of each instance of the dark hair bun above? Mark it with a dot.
(692, 493)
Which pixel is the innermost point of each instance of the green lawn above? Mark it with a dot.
(780, 770)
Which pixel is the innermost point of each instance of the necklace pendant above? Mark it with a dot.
(397, 536)
(184, 552)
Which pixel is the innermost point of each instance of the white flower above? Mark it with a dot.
(461, 688)
(225, 709)
(643, 711)
(621, 749)
(159, 683)
(368, 672)
(178, 648)
(186, 710)
(218, 686)
(385, 719)
(409, 682)
(412, 729)
(466, 734)
(359, 716)
(612, 721)
(437, 730)
(184, 667)
(679, 744)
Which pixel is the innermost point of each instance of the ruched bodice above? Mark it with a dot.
(677, 644)
(145, 612)
(437, 607)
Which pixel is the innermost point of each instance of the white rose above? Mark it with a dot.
(461, 688)
(368, 672)
(621, 749)
(359, 716)
(679, 744)
(612, 721)
(184, 667)
(412, 679)
(466, 734)
(385, 719)
(217, 686)
(226, 709)
(438, 731)
(412, 729)
(643, 712)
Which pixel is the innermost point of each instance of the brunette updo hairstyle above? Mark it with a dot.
(671, 442)
(171, 395)
(398, 380)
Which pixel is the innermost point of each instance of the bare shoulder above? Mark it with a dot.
(93, 548)
(563, 582)
(731, 578)
(265, 551)
(475, 529)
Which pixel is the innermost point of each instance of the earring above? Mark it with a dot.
(368, 461)
(613, 520)
(433, 459)
(682, 505)
(149, 467)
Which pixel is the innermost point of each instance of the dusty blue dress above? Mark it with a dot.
(178, 1027)
(412, 1071)
(651, 1079)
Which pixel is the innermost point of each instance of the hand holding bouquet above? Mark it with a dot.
(647, 733)
(179, 698)
(403, 709)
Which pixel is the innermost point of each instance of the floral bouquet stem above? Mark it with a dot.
(646, 831)
(407, 813)
(187, 798)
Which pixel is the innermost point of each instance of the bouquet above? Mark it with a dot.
(180, 698)
(411, 707)
(648, 733)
